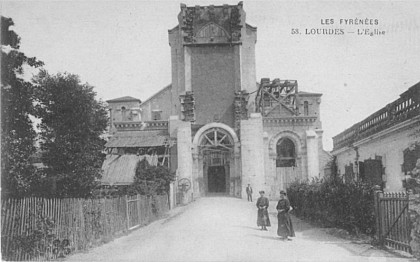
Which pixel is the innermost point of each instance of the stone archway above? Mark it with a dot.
(285, 134)
(284, 174)
(216, 165)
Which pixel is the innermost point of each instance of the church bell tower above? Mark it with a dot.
(213, 58)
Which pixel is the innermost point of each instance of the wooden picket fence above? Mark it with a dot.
(141, 210)
(45, 229)
(393, 222)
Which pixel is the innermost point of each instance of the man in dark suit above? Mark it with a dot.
(249, 192)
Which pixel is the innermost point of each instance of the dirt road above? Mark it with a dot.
(224, 229)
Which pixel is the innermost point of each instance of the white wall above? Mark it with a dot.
(252, 153)
(390, 146)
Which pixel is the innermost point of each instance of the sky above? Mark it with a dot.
(121, 47)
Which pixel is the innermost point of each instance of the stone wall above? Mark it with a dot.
(252, 151)
(296, 132)
(247, 51)
(275, 129)
(185, 158)
(116, 113)
(213, 83)
(312, 154)
(159, 102)
(414, 208)
(314, 102)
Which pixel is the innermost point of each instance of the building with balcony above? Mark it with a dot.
(381, 149)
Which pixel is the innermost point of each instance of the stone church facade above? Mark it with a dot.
(219, 128)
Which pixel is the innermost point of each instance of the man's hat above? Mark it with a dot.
(262, 191)
(282, 192)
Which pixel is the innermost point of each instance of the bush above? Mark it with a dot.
(148, 180)
(332, 202)
(151, 180)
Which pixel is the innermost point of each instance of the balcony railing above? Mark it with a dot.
(402, 109)
(139, 125)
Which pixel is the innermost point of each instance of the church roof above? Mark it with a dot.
(303, 93)
(157, 93)
(148, 138)
(124, 99)
(176, 28)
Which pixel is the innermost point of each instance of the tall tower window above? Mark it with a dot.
(286, 153)
(306, 108)
(123, 114)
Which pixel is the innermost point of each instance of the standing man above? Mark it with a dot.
(249, 192)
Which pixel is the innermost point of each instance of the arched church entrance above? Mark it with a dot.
(216, 147)
(216, 160)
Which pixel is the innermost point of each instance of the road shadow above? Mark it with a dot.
(311, 232)
(365, 250)
(210, 195)
(306, 230)
(270, 237)
(249, 227)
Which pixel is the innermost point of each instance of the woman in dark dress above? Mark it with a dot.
(285, 226)
(263, 220)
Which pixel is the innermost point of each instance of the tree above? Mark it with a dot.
(151, 180)
(72, 121)
(17, 132)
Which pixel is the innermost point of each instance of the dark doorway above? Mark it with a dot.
(216, 179)
(371, 170)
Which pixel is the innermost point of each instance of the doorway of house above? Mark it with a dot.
(216, 179)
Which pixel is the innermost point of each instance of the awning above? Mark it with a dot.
(148, 138)
(119, 169)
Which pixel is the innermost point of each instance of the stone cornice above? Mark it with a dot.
(294, 119)
(212, 44)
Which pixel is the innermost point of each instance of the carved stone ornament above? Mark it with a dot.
(210, 24)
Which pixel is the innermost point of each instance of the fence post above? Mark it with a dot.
(414, 221)
(126, 212)
(171, 196)
(138, 208)
(377, 195)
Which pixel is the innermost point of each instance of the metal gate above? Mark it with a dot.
(138, 211)
(392, 218)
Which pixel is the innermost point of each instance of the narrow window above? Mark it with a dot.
(286, 153)
(306, 108)
(123, 114)
(349, 172)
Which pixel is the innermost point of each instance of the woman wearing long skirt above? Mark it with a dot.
(263, 220)
(285, 226)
